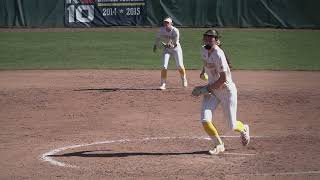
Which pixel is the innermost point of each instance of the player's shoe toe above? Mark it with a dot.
(163, 86)
(218, 149)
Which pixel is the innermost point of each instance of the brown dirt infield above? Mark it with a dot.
(42, 111)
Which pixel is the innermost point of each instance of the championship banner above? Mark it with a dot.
(100, 13)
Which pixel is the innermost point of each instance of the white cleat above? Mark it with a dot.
(184, 83)
(245, 135)
(218, 149)
(163, 86)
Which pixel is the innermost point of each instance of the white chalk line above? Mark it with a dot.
(47, 157)
(238, 154)
(288, 173)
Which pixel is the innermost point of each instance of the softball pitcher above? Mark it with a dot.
(220, 90)
(168, 37)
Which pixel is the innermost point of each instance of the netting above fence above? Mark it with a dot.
(189, 13)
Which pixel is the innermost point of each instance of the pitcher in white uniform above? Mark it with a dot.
(223, 91)
(168, 37)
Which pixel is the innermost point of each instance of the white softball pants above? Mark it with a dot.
(177, 54)
(227, 97)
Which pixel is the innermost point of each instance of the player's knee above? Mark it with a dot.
(206, 116)
(205, 120)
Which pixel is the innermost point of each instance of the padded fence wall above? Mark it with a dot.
(31, 13)
(189, 13)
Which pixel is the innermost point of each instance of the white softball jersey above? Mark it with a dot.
(172, 36)
(226, 95)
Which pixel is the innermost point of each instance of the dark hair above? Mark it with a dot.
(212, 33)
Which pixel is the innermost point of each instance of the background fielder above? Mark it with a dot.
(222, 91)
(168, 37)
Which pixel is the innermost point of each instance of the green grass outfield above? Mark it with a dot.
(132, 49)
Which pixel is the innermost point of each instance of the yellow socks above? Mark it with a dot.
(240, 126)
(182, 72)
(163, 75)
(211, 131)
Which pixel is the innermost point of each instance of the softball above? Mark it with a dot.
(204, 76)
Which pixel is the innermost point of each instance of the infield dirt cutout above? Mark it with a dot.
(126, 129)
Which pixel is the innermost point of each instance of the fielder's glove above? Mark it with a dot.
(200, 90)
(169, 45)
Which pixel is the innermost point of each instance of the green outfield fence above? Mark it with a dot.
(187, 13)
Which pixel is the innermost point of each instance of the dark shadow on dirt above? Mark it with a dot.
(122, 89)
(117, 89)
(126, 154)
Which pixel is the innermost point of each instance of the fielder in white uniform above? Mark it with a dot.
(168, 38)
(223, 91)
